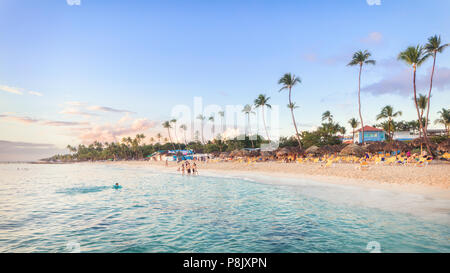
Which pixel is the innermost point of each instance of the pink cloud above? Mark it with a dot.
(113, 132)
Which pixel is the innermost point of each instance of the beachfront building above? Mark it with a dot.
(371, 134)
(406, 135)
(410, 135)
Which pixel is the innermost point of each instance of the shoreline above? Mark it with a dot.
(432, 181)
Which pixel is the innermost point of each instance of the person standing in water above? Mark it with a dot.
(194, 169)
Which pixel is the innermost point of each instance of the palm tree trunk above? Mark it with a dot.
(248, 130)
(389, 129)
(293, 120)
(176, 137)
(429, 93)
(203, 139)
(264, 122)
(418, 113)
(353, 138)
(359, 102)
(170, 138)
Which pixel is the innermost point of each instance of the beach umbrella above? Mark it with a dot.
(296, 150)
(282, 152)
(444, 146)
(353, 149)
(312, 150)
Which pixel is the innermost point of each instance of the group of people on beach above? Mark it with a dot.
(188, 168)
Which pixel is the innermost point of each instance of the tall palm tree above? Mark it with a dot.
(247, 111)
(168, 126)
(422, 103)
(444, 119)
(354, 124)
(159, 136)
(222, 118)
(174, 122)
(388, 112)
(327, 116)
(433, 47)
(361, 58)
(261, 101)
(184, 128)
(202, 119)
(289, 81)
(213, 127)
(416, 56)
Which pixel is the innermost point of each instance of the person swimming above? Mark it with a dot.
(117, 186)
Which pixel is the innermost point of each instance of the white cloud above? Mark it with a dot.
(107, 109)
(373, 37)
(374, 2)
(9, 89)
(73, 2)
(35, 93)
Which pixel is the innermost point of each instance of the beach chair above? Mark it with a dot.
(363, 166)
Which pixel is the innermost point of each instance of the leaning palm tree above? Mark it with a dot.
(289, 81)
(202, 119)
(184, 128)
(354, 124)
(361, 58)
(167, 125)
(433, 47)
(261, 101)
(422, 103)
(388, 113)
(247, 111)
(444, 119)
(416, 56)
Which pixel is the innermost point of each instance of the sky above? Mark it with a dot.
(76, 71)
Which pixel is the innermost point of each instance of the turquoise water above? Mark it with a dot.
(50, 208)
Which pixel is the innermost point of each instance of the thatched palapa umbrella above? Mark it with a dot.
(353, 149)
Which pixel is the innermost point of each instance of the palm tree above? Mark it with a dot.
(184, 128)
(202, 119)
(174, 122)
(327, 116)
(416, 56)
(222, 117)
(354, 124)
(71, 149)
(159, 136)
(433, 47)
(261, 101)
(444, 119)
(288, 81)
(167, 125)
(213, 128)
(360, 58)
(388, 112)
(422, 103)
(247, 111)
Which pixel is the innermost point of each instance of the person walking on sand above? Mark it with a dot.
(167, 162)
